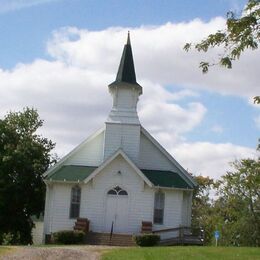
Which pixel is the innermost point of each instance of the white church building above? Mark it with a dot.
(120, 176)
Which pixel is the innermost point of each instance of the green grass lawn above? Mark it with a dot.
(186, 252)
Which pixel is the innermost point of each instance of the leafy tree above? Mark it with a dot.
(238, 205)
(241, 33)
(202, 207)
(24, 156)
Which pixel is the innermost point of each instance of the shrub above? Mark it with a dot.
(68, 237)
(147, 240)
(10, 238)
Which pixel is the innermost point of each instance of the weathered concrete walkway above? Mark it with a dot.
(56, 252)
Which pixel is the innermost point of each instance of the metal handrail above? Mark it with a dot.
(111, 231)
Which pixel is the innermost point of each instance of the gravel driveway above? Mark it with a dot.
(54, 253)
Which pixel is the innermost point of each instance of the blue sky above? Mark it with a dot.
(45, 39)
(25, 22)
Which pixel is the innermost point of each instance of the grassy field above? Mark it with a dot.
(187, 252)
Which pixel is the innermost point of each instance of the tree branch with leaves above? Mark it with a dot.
(241, 33)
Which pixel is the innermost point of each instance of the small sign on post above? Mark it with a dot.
(217, 235)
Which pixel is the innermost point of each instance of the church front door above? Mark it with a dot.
(116, 211)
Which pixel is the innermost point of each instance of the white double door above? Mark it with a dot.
(116, 213)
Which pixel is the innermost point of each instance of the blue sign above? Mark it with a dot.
(217, 234)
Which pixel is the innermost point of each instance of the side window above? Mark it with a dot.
(158, 208)
(75, 202)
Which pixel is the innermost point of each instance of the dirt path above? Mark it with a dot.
(55, 253)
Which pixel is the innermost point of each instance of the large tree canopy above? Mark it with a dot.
(24, 157)
(239, 204)
(235, 208)
(202, 210)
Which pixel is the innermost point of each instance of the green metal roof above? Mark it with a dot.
(71, 173)
(167, 179)
(126, 70)
(76, 173)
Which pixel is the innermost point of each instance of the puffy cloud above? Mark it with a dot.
(159, 55)
(209, 159)
(70, 91)
(75, 101)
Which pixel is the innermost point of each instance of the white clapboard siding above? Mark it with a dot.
(47, 209)
(60, 207)
(151, 157)
(91, 154)
(186, 208)
(37, 233)
(125, 98)
(93, 200)
(172, 213)
(122, 136)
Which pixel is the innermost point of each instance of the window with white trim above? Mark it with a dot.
(158, 215)
(75, 202)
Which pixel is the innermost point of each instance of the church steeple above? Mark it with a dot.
(126, 70)
(125, 90)
(123, 125)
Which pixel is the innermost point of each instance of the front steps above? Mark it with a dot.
(93, 238)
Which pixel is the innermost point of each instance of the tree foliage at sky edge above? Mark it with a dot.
(241, 33)
(24, 157)
(235, 211)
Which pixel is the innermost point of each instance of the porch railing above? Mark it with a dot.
(185, 235)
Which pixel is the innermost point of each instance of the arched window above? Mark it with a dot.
(158, 207)
(117, 191)
(75, 202)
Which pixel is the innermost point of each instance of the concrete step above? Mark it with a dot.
(104, 239)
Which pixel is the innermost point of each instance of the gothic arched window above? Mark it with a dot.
(117, 191)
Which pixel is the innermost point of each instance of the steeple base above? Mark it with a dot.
(123, 116)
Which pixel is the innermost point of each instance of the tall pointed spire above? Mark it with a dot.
(126, 70)
(125, 90)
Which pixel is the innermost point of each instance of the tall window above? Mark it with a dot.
(158, 208)
(75, 202)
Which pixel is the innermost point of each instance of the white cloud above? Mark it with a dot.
(209, 159)
(71, 92)
(11, 5)
(159, 56)
(75, 101)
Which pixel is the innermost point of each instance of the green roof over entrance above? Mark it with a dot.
(166, 179)
(71, 173)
